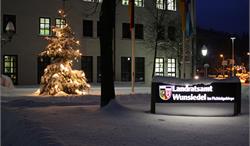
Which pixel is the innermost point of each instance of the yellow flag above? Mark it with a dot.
(182, 10)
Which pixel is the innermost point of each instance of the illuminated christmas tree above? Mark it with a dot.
(59, 78)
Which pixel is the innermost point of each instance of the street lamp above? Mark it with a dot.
(10, 31)
(222, 63)
(204, 54)
(233, 38)
(204, 50)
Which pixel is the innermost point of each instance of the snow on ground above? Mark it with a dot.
(78, 121)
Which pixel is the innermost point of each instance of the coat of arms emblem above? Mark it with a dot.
(165, 92)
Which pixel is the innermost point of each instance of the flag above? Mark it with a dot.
(131, 13)
(185, 13)
(188, 18)
(182, 11)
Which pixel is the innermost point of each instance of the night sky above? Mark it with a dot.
(230, 16)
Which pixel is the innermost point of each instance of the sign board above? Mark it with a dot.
(202, 91)
(224, 62)
(231, 61)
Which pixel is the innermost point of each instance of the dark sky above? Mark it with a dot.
(231, 16)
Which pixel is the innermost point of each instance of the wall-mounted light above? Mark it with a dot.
(10, 31)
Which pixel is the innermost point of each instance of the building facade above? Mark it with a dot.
(33, 20)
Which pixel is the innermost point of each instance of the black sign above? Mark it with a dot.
(188, 91)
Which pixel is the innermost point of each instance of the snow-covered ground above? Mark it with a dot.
(78, 121)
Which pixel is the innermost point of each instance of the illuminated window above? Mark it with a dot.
(138, 3)
(44, 26)
(60, 22)
(159, 66)
(171, 67)
(171, 5)
(160, 4)
(10, 67)
(125, 2)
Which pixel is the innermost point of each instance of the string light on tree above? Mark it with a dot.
(59, 78)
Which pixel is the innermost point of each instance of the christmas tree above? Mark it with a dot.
(59, 78)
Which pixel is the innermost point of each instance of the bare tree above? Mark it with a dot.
(158, 20)
(107, 23)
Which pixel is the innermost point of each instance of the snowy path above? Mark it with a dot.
(78, 121)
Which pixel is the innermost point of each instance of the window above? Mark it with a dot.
(98, 29)
(139, 69)
(42, 63)
(10, 67)
(44, 29)
(126, 30)
(138, 3)
(161, 4)
(171, 67)
(99, 75)
(98, 1)
(127, 34)
(88, 28)
(159, 66)
(171, 5)
(87, 67)
(7, 19)
(138, 31)
(171, 33)
(126, 69)
(161, 33)
(125, 2)
(60, 22)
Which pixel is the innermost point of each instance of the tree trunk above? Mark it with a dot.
(107, 20)
(156, 43)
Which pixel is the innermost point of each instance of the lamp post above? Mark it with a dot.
(10, 30)
(204, 54)
(232, 38)
(222, 63)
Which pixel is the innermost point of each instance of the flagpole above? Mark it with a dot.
(132, 30)
(133, 60)
(183, 55)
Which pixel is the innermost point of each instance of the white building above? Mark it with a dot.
(33, 19)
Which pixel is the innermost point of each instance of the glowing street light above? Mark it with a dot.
(204, 53)
(204, 50)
